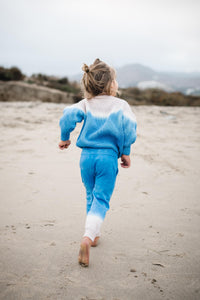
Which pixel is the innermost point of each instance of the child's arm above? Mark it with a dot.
(129, 126)
(72, 115)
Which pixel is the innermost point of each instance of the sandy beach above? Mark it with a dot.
(149, 248)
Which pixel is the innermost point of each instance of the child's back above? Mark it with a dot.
(108, 124)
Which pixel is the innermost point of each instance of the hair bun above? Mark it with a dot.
(85, 68)
(97, 61)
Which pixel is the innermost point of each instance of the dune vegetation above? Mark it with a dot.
(133, 95)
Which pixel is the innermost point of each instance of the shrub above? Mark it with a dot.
(63, 80)
(13, 73)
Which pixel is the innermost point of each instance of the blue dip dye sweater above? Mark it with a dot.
(109, 123)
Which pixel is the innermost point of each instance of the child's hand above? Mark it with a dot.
(125, 161)
(64, 144)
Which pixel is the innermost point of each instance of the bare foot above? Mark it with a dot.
(95, 243)
(84, 252)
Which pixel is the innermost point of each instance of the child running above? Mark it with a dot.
(108, 130)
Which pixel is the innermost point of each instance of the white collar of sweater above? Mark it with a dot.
(102, 106)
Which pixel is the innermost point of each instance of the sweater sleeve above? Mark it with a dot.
(71, 115)
(129, 128)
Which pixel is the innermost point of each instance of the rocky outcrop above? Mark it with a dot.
(21, 91)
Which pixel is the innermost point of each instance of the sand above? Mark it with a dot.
(150, 241)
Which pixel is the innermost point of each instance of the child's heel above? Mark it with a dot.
(83, 257)
(95, 243)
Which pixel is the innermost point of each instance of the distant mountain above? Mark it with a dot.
(137, 75)
(144, 77)
(131, 75)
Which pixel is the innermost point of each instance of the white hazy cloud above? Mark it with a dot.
(56, 37)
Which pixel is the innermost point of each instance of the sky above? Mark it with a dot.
(57, 37)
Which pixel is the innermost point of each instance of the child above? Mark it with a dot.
(107, 133)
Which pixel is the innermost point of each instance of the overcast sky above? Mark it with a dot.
(57, 37)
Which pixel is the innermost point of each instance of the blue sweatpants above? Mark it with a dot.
(99, 169)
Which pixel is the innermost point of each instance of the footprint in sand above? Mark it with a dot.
(153, 281)
(53, 244)
(49, 222)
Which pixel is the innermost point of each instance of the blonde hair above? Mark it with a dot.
(97, 79)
